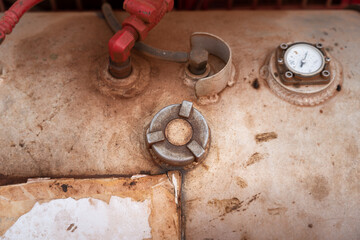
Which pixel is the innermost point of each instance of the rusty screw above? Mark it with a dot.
(198, 59)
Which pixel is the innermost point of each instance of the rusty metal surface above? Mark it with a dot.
(274, 170)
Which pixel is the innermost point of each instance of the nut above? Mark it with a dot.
(289, 74)
(319, 45)
(325, 74)
(284, 46)
(120, 71)
(198, 59)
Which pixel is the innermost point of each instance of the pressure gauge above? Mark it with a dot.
(302, 73)
(303, 63)
(304, 59)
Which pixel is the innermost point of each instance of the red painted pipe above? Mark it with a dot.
(13, 15)
(145, 14)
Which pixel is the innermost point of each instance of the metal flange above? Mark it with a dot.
(212, 81)
(178, 136)
(302, 95)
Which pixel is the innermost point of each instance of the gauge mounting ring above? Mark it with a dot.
(302, 94)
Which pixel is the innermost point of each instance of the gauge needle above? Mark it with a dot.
(303, 60)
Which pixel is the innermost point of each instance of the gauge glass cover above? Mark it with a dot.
(304, 59)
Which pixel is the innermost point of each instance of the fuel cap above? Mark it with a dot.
(178, 136)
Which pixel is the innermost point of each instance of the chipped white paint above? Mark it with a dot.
(33, 180)
(87, 218)
(175, 183)
(138, 176)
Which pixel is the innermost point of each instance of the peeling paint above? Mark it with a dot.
(87, 218)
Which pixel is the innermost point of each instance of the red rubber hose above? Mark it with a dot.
(13, 15)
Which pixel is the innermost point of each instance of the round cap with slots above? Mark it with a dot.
(178, 136)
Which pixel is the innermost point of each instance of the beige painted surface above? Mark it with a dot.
(303, 183)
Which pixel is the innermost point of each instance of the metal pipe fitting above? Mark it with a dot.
(145, 14)
(120, 70)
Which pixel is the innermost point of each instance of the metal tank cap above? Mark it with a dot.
(178, 136)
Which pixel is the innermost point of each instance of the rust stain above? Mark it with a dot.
(256, 157)
(253, 198)
(318, 187)
(70, 227)
(277, 211)
(226, 206)
(217, 154)
(241, 182)
(206, 167)
(249, 121)
(265, 137)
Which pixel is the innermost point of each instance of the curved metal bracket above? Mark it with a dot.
(213, 84)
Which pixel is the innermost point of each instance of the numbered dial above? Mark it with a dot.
(304, 59)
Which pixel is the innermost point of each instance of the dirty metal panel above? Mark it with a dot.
(140, 207)
(274, 170)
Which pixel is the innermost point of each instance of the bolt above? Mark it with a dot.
(280, 60)
(325, 73)
(327, 59)
(198, 60)
(319, 45)
(283, 46)
(289, 74)
(120, 70)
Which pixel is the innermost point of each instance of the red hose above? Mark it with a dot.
(13, 15)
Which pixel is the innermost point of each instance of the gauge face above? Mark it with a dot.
(304, 59)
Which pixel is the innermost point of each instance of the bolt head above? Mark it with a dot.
(120, 70)
(319, 45)
(325, 74)
(283, 46)
(198, 59)
(289, 74)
